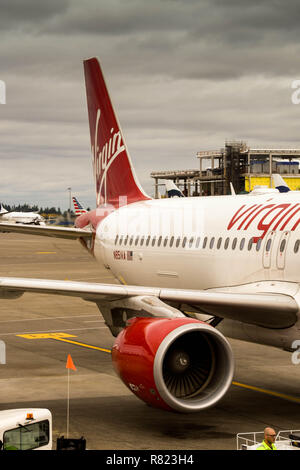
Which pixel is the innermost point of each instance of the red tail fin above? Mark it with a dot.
(113, 171)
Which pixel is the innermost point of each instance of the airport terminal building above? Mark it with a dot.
(235, 163)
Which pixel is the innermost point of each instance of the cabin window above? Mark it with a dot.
(137, 240)
(282, 246)
(219, 243)
(148, 240)
(153, 241)
(121, 240)
(198, 242)
(242, 244)
(126, 240)
(177, 242)
(204, 242)
(234, 243)
(296, 247)
(250, 244)
(159, 241)
(171, 241)
(268, 245)
(116, 239)
(258, 244)
(212, 241)
(166, 241)
(191, 242)
(226, 244)
(142, 241)
(131, 241)
(184, 242)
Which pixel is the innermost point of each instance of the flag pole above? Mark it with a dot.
(69, 365)
(68, 404)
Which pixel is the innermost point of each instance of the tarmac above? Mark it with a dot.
(41, 330)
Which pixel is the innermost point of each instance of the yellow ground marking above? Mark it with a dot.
(267, 392)
(47, 336)
(62, 337)
(45, 252)
(84, 345)
(121, 278)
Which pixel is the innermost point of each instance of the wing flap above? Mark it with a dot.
(264, 309)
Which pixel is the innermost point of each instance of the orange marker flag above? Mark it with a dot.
(70, 363)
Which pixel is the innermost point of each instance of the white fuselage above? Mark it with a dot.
(22, 218)
(211, 244)
(223, 257)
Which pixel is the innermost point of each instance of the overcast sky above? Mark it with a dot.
(184, 75)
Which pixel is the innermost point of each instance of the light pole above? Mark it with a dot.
(69, 189)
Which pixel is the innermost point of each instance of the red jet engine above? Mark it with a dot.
(176, 364)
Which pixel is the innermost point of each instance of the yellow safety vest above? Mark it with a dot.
(264, 446)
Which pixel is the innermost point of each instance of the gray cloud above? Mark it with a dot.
(119, 17)
(20, 14)
(213, 19)
(184, 76)
(207, 39)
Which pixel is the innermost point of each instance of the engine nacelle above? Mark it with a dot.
(176, 364)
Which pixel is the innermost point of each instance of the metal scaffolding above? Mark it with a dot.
(235, 163)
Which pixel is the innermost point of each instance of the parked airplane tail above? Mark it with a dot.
(116, 182)
(78, 208)
(280, 184)
(232, 191)
(2, 210)
(172, 189)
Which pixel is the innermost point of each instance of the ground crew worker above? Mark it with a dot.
(269, 439)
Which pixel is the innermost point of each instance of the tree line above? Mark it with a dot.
(41, 210)
(34, 208)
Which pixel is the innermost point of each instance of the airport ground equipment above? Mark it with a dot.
(285, 440)
(26, 429)
(31, 429)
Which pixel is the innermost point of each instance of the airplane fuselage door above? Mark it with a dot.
(268, 248)
(281, 250)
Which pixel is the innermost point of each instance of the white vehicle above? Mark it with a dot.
(285, 440)
(26, 429)
(21, 217)
(191, 271)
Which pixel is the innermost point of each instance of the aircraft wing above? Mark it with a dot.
(270, 310)
(46, 231)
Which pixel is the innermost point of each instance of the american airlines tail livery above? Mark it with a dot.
(191, 272)
(78, 208)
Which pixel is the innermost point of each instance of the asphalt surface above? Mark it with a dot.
(102, 409)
